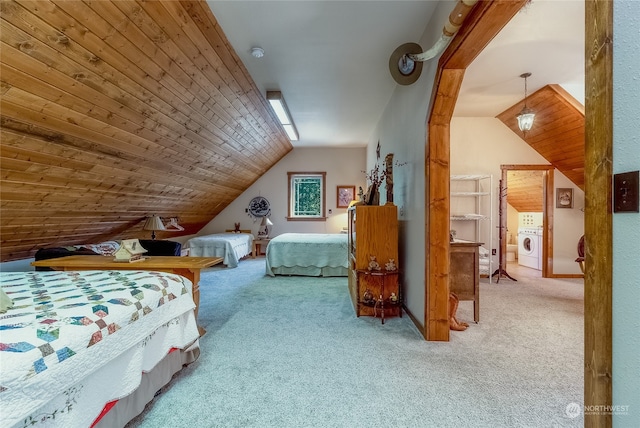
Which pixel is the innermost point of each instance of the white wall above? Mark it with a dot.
(402, 131)
(568, 227)
(626, 226)
(479, 145)
(512, 225)
(343, 166)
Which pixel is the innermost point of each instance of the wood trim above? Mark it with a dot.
(485, 20)
(437, 302)
(348, 187)
(598, 273)
(547, 223)
(525, 167)
(289, 217)
(547, 213)
(566, 275)
(306, 219)
(567, 97)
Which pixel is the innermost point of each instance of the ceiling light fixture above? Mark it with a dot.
(276, 100)
(526, 116)
(257, 52)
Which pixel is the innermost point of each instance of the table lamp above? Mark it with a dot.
(154, 223)
(263, 233)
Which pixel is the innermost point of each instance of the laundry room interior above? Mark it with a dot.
(525, 193)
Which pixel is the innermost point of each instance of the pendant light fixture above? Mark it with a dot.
(526, 116)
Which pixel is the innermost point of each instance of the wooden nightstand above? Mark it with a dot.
(257, 246)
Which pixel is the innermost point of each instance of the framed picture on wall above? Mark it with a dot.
(564, 198)
(346, 194)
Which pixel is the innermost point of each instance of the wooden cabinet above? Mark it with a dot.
(464, 273)
(373, 232)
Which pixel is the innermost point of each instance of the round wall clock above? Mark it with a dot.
(259, 207)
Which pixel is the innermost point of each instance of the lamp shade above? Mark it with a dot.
(154, 223)
(525, 119)
(263, 233)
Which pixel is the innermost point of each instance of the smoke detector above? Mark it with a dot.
(257, 52)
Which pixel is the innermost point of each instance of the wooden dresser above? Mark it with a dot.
(464, 272)
(373, 231)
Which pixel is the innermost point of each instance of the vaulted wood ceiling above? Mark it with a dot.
(525, 191)
(557, 133)
(114, 111)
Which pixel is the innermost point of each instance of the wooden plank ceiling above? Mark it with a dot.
(525, 190)
(558, 130)
(114, 111)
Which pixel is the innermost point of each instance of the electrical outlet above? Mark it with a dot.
(330, 211)
(494, 251)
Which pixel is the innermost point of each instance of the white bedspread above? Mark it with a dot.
(312, 254)
(69, 330)
(230, 246)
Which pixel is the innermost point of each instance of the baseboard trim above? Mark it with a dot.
(566, 275)
(414, 320)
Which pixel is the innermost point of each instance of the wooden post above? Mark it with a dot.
(598, 278)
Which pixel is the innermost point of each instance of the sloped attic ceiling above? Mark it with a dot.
(558, 130)
(114, 111)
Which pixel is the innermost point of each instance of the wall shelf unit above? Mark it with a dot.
(472, 213)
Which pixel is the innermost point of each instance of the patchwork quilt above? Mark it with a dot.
(64, 325)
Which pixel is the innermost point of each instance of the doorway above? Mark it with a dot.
(531, 190)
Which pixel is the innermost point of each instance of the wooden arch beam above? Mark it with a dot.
(483, 23)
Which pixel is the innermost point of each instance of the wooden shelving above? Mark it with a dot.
(471, 198)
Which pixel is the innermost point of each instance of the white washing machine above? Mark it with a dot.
(530, 247)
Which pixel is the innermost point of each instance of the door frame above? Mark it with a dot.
(547, 213)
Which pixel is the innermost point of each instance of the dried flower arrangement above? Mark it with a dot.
(377, 176)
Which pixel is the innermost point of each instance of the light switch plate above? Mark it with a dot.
(625, 192)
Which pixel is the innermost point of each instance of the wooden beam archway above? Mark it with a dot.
(483, 23)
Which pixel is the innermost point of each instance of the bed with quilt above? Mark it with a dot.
(90, 348)
(308, 254)
(230, 246)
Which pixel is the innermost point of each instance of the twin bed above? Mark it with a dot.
(230, 246)
(91, 348)
(308, 254)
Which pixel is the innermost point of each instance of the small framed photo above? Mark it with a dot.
(346, 194)
(564, 198)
